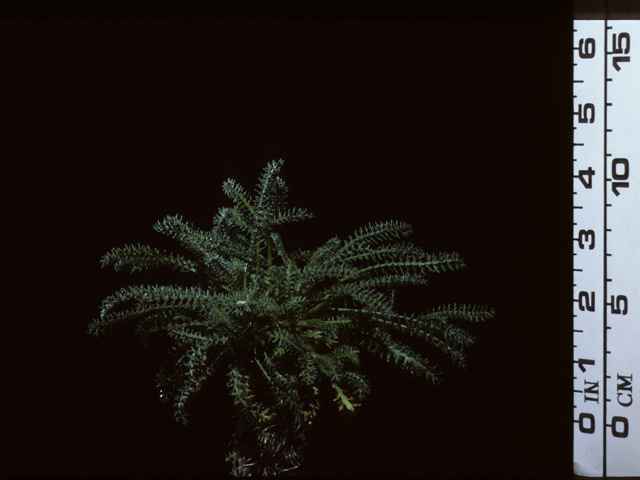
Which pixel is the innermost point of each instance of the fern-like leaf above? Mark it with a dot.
(143, 257)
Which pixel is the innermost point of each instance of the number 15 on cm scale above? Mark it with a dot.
(606, 248)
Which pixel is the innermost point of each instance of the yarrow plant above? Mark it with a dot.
(283, 326)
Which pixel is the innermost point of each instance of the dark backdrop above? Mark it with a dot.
(459, 127)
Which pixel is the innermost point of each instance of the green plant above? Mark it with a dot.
(284, 326)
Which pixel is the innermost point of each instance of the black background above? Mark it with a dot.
(459, 126)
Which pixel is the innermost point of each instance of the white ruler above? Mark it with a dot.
(606, 248)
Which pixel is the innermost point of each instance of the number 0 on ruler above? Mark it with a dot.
(606, 248)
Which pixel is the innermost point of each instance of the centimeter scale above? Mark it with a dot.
(606, 248)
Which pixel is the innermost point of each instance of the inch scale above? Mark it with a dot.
(606, 248)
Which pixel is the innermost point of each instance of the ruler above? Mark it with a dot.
(606, 248)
